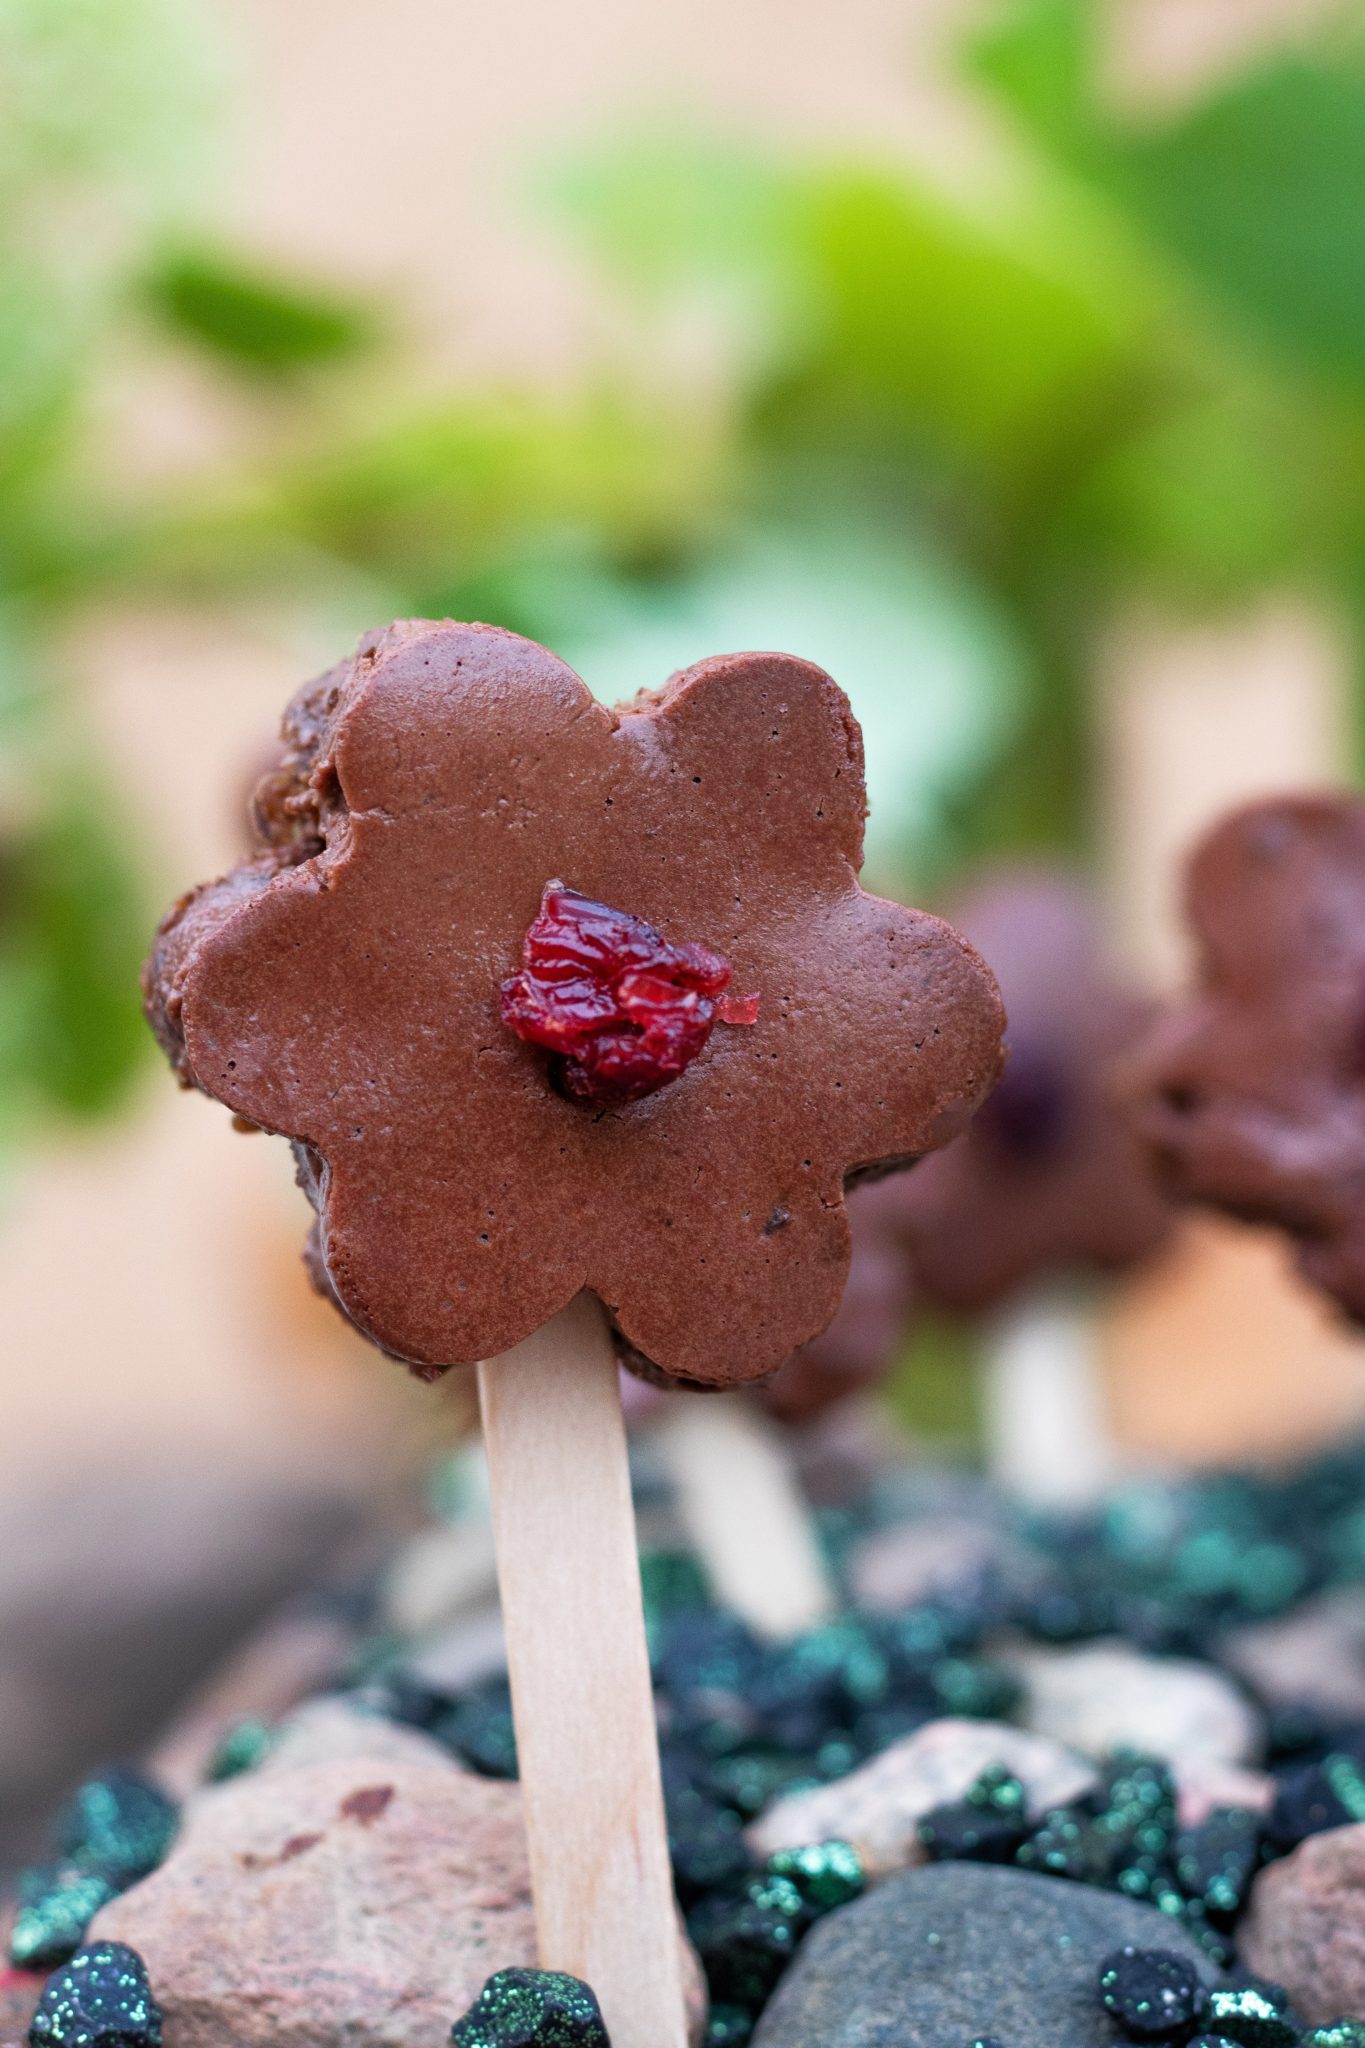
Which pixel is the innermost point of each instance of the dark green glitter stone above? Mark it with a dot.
(1216, 1861)
(973, 1690)
(999, 1791)
(747, 1941)
(1154, 1994)
(119, 1824)
(728, 2027)
(752, 1779)
(826, 1874)
(1347, 1780)
(1251, 2018)
(1338, 2034)
(479, 1728)
(100, 1999)
(706, 1844)
(532, 2009)
(672, 1581)
(246, 1744)
(55, 1908)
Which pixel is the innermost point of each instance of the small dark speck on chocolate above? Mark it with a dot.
(777, 1221)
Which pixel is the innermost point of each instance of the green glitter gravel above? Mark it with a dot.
(731, 2027)
(100, 1999)
(245, 1745)
(826, 1874)
(532, 2009)
(119, 1824)
(55, 1908)
(1247, 2016)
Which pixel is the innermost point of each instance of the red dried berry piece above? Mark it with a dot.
(623, 1010)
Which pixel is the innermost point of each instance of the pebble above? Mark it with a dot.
(331, 1729)
(1154, 1994)
(342, 1904)
(1256, 2016)
(878, 1808)
(935, 1956)
(729, 2026)
(826, 1874)
(1314, 1656)
(1108, 1696)
(1305, 1926)
(1202, 1787)
(336, 1905)
(532, 2009)
(910, 1563)
(746, 1942)
(989, 1825)
(120, 1824)
(1216, 1861)
(56, 1906)
(1313, 1798)
(99, 1999)
(241, 1747)
(438, 1576)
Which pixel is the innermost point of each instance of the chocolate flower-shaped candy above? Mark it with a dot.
(1251, 1090)
(553, 998)
(1049, 1178)
(873, 1320)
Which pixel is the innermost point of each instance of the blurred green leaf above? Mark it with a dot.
(253, 319)
(72, 931)
(932, 670)
(1041, 58)
(993, 333)
(1261, 192)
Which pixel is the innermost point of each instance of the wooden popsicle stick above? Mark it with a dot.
(1047, 1425)
(581, 1696)
(741, 1506)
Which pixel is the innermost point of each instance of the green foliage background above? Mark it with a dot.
(930, 436)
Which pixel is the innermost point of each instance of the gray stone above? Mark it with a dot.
(1105, 1696)
(938, 1956)
(879, 1806)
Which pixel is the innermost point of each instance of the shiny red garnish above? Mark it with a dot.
(624, 1011)
(737, 1010)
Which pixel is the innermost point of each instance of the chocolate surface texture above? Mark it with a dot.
(1050, 1179)
(341, 986)
(1250, 1090)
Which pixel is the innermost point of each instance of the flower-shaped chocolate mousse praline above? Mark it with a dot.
(1250, 1090)
(1050, 1179)
(550, 997)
